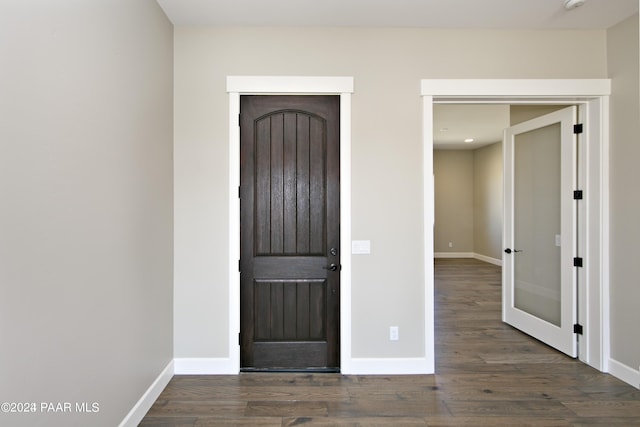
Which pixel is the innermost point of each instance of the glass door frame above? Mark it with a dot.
(561, 335)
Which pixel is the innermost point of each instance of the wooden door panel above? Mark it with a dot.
(283, 267)
(290, 182)
(290, 210)
(287, 310)
(270, 355)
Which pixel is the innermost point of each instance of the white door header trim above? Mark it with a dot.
(289, 84)
(495, 88)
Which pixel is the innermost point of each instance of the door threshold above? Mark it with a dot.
(291, 370)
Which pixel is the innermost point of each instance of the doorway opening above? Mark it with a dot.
(524, 150)
(592, 98)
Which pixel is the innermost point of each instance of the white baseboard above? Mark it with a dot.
(480, 257)
(490, 260)
(396, 366)
(624, 373)
(224, 366)
(140, 409)
(205, 366)
(453, 255)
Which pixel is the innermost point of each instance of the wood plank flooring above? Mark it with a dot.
(488, 374)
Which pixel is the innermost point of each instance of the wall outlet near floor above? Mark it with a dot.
(450, 244)
(394, 333)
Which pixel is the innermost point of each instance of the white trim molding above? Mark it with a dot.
(289, 85)
(592, 97)
(490, 260)
(516, 88)
(428, 197)
(625, 373)
(391, 366)
(480, 257)
(142, 406)
(204, 366)
(281, 85)
(453, 255)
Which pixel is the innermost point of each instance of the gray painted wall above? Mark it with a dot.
(86, 235)
(623, 58)
(468, 201)
(488, 202)
(454, 201)
(387, 65)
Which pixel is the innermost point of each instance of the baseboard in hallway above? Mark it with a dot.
(490, 260)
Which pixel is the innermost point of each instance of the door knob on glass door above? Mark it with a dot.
(507, 251)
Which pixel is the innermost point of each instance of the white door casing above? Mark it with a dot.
(592, 97)
(280, 85)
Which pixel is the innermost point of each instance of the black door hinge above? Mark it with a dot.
(577, 329)
(578, 195)
(577, 262)
(239, 265)
(577, 128)
(239, 339)
(239, 192)
(239, 119)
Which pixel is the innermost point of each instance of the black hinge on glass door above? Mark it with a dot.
(577, 129)
(577, 329)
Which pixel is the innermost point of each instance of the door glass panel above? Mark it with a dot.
(537, 223)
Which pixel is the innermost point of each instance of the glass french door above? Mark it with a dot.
(539, 289)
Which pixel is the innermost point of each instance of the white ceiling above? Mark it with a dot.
(453, 123)
(496, 14)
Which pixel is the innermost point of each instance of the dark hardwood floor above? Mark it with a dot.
(488, 374)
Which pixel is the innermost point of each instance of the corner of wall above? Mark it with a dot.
(142, 406)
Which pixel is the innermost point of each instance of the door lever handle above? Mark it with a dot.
(332, 267)
(508, 250)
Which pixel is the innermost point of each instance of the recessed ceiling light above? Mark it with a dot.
(468, 140)
(572, 4)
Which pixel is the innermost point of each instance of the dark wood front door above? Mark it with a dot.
(290, 232)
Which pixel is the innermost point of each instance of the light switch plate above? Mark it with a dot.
(360, 247)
